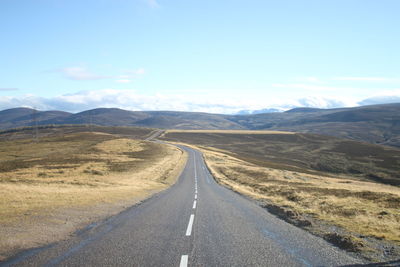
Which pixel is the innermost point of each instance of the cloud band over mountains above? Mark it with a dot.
(130, 100)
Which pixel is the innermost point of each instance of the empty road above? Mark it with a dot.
(196, 222)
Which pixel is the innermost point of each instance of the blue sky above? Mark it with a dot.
(214, 56)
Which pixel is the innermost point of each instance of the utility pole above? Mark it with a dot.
(61, 130)
(91, 121)
(35, 125)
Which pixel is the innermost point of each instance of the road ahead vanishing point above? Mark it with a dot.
(196, 222)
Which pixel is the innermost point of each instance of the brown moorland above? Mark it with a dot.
(303, 152)
(312, 182)
(65, 181)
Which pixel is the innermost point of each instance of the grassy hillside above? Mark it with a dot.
(309, 153)
(18, 117)
(188, 120)
(61, 130)
(104, 116)
(377, 124)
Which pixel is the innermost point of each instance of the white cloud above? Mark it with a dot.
(129, 75)
(134, 73)
(23, 101)
(310, 87)
(365, 79)
(84, 74)
(385, 97)
(322, 102)
(131, 100)
(380, 100)
(81, 74)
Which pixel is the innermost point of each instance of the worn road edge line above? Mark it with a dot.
(190, 225)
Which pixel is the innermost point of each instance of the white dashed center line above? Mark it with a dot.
(194, 162)
(190, 225)
(184, 261)
(185, 258)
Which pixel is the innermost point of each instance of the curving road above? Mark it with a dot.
(196, 222)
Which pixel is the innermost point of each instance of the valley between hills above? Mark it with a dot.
(334, 173)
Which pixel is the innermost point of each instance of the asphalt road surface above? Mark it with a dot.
(196, 222)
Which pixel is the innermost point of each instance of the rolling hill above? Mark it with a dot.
(19, 117)
(377, 124)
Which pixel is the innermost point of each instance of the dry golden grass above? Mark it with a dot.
(366, 208)
(60, 184)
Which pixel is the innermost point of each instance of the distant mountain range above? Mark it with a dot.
(259, 111)
(378, 124)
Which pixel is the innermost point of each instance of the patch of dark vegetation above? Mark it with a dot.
(63, 131)
(139, 158)
(48, 163)
(343, 242)
(122, 166)
(10, 165)
(148, 152)
(93, 172)
(288, 215)
(61, 166)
